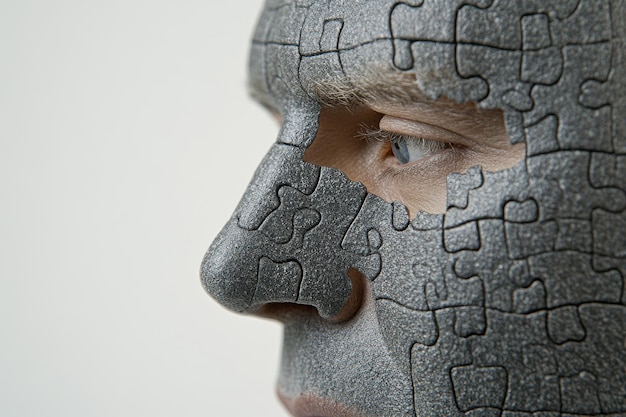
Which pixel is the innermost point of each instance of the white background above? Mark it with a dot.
(126, 140)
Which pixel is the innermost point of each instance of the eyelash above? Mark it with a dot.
(429, 145)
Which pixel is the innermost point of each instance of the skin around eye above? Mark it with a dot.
(400, 157)
(427, 131)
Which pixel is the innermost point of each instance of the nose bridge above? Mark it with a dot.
(284, 241)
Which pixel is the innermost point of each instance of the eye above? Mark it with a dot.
(407, 149)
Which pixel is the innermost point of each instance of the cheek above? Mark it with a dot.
(340, 150)
(338, 144)
(421, 185)
(373, 165)
(428, 194)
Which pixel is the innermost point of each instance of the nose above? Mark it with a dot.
(286, 241)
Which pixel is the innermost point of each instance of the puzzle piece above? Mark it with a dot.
(579, 394)
(497, 26)
(579, 127)
(437, 75)
(325, 285)
(502, 24)
(479, 387)
(431, 21)
(547, 129)
(608, 240)
(458, 186)
(329, 41)
(605, 326)
(282, 165)
(491, 265)
(290, 218)
(594, 16)
(607, 170)
(521, 212)
(564, 190)
(286, 88)
(360, 24)
(469, 321)
(609, 236)
(400, 217)
(531, 387)
(595, 94)
(524, 240)
(535, 32)
(328, 64)
(573, 331)
(573, 235)
(530, 299)
(540, 381)
(277, 282)
(542, 61)
(285, 29)
(448, 291)
(394, 281)
(356, 239)
(542, 66)
(575, 283)
(405, 327)
(431, 367)
(609, 243)
(483, 202)
(464, 237)
(421, 285)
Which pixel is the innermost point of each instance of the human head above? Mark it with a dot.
(509, 302)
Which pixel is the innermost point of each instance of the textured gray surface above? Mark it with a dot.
(513, 302)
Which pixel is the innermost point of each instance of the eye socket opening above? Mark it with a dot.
(441, 138)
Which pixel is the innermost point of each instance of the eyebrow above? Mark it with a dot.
(393, 88)
(372, 86)
(384, 87)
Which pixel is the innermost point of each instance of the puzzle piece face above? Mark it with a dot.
(513, 302)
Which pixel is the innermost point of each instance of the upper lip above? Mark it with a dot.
(310, 405)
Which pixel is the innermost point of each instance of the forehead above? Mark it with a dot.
(325, 51)
(300, 47)
(528, 59)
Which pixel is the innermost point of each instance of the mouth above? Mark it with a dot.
(309, 405)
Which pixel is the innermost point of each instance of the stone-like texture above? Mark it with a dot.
(513, 302)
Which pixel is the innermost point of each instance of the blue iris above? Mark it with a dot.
(401, 150)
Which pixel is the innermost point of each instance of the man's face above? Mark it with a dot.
(436, 224)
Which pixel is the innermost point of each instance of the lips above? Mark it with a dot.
(309, 405)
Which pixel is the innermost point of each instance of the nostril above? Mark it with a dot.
(287, 312)
(355, 300)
